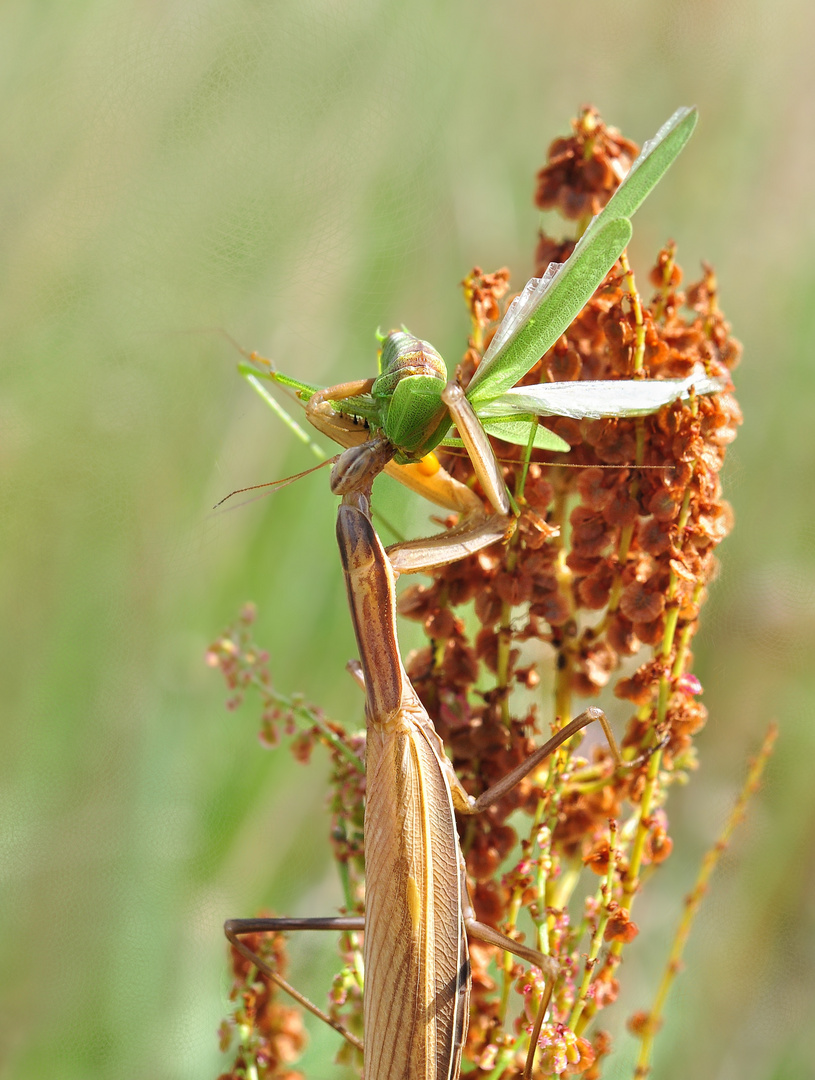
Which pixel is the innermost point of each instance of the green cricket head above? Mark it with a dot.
(407, 391)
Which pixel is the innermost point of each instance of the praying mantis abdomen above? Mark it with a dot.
(415, 951)
(416, 967)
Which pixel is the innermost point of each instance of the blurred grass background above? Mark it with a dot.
(300, 174)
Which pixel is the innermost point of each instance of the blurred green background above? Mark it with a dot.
(300, 173)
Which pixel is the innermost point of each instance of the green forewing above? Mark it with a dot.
(546, 307)
(537, 318)
(516, 430)
(653, 161)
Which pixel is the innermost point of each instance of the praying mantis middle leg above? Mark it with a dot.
(417, 908)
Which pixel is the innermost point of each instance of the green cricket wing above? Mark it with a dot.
(517, 429)
(513, 429)
(650, 165)
(544, 309)
(547, 306)
(598, 398)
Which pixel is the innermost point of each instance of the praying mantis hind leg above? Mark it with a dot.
(468, 804)
(548, 965)
(235, 928)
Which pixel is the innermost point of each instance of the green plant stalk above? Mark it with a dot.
(694, 900)
(577, 1021)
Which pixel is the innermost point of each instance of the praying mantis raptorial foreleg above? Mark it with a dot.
(417, 909)
(356, 469)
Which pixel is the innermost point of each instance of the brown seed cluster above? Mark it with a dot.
(609, 604)
(585, 169)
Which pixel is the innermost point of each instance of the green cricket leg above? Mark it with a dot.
(478, 447)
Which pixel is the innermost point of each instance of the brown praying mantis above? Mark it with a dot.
(417, 908)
